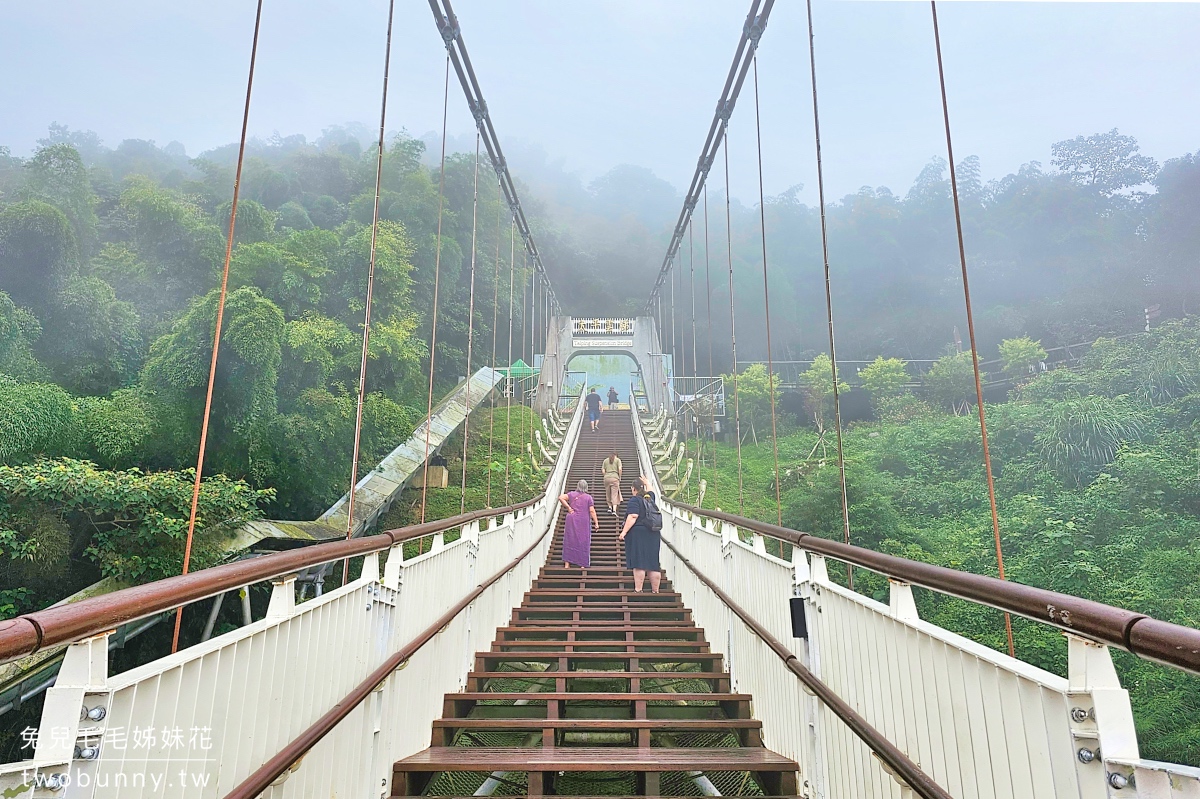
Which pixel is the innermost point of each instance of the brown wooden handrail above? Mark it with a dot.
(63, 624)
(893, 758)
(270, 771)
(1167, 643)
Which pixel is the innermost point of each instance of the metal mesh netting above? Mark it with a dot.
(674, 783)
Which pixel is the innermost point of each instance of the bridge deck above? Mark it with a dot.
(592, 687)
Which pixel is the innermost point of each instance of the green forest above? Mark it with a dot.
(110, 262)
(1097, 479)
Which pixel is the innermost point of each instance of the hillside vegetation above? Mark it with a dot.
(1097, 481)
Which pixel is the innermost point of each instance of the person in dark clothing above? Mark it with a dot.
(613, 398)
(592, 401)
(641, 543)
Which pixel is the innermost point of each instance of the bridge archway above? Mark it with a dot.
(570, 337)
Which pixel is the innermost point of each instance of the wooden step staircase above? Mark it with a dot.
(594, 689)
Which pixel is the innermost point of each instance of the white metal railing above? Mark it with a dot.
(198, 723)
(980, 723)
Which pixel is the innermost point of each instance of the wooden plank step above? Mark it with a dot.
(718, 682)
(602, 647)
(587, 758)
(486, 661)
(748, 731)
(581, 696)
(598, 675)
(555, 626)
(603, 624)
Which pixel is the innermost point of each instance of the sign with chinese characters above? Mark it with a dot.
(600, 326)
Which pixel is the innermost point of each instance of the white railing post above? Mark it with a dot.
(801, 572)
(72, 725)
(394, 567)
(1101, 719)
(283, 598)
(820, 572)
(900, 601)
(370, 568)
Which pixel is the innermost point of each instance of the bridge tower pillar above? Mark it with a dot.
(637, 337)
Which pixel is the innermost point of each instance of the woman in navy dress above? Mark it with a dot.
(641, 543)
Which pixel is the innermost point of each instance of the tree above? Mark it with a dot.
(254, 222)
(87, 143)
(884, 377)
(316, 351)
(1021, 356)
(132, 524)
(96, 346)
(19, 329)
(181, 248)
(247, 373)
(816, 383)
(37, 253)
(951, 381)
(325, 211)
(292, 215)
(754, 395)
(1108, 162)
(287, 272)
(56, 175)
(35, 419)
(117, 430)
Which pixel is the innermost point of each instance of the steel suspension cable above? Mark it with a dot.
(366, 338)
(673, 366)
(524, 310)
(752, 31)
(837, 400)
(212, 366)
(762, 216)
(524, 324)
(495, 324)
(509, 383)
(712, 405)
(437, 271)
(691, 269)
(695, 363)
(737, 413)
(451, 32)
(962, 258)
(462, 502)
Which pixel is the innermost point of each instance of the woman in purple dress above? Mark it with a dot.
(577, 535)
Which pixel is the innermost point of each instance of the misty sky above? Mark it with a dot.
(596, 84)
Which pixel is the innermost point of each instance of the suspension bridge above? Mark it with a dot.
(477, 663)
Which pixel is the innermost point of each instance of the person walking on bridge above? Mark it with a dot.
(610, 468)
(613, 398)
(594, 408)
(644, 534)
(577, 533)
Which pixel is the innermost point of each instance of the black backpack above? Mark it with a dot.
(653, 514)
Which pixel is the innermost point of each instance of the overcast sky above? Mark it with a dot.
(598, 83)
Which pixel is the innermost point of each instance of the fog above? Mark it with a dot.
(594, 85)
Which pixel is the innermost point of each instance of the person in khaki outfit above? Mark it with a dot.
(610, 468)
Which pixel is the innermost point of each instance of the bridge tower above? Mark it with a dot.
(637, 337)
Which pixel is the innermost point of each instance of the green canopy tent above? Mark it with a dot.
(519, 370)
